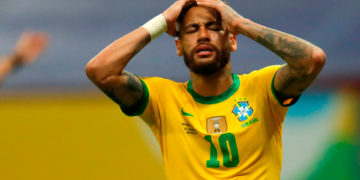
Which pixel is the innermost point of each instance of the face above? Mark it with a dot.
(203, 42)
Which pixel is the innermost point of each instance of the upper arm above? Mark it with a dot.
(291, 81)
(127, 90)
(288, 82)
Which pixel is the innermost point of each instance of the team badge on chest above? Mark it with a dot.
(242, 110)
(216, 125)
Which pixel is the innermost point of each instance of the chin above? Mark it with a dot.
(206, 65)
(204, 61)
(205, 68)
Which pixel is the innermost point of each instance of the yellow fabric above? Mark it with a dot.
(186, 130)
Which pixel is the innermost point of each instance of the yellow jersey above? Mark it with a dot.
(235, 135)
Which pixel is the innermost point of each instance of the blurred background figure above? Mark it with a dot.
(27, 50)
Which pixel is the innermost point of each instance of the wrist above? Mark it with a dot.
(243, 26)
(16, 60)
(156, 26)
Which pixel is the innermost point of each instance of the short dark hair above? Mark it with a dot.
(182, 14)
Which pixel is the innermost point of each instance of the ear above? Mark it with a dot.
(178, 47)
(233, 42)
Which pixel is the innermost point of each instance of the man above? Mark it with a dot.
(28, 48)
(218, 125)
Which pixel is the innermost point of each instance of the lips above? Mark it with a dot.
(204, 50)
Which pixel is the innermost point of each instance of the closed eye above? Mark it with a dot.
(214, 26)
(191, 28)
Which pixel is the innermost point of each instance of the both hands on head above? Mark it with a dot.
(229, 16)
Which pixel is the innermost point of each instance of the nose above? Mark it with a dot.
(203, 35)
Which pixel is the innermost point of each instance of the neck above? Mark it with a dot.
(213, 84)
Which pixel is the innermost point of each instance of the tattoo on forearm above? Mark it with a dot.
(284, 45)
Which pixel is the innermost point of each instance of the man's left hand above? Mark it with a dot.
(230, 17)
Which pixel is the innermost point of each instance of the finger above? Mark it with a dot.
(38, 39)
(209, 3)
(206, 4)
(183, 2)
(214, 1)
(208, 0)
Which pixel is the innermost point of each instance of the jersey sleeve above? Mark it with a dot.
(264, 78)
(139, 107)
(280, 98)
(152, 90)
(147, 107)
(268, 74)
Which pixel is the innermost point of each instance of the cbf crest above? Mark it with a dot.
(242, 110)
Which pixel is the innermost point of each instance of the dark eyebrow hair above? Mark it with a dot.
(191, 25)
(213, 22)
(206, 24)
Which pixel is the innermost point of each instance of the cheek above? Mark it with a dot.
(216, 35)
(188, 45)
(220, 40)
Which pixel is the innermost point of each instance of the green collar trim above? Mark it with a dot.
(215, 99)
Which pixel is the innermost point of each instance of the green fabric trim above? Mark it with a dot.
(280, 98)
(215, 99)
(139, 107)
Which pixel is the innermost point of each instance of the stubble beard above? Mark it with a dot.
(221, 58)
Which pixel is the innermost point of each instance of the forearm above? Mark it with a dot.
(304, 60)
(7, 65)
(295, 51)
(112, 60)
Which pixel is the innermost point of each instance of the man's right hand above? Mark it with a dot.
(171, 15)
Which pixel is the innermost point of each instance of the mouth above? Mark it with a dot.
(204, 50)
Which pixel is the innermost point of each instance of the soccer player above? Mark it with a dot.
(218, 125)
(28, 48)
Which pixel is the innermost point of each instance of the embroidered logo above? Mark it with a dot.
(242, 110)
(216, 125)
(185, 113)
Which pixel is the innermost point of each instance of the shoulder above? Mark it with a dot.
(159, 80)
(265, 74)
(260, 79)
(155, 79)
(160, 83)
(268, 70)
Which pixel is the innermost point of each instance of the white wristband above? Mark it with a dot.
(156, 26)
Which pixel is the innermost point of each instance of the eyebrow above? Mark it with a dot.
(206, 24)
(191, 25)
